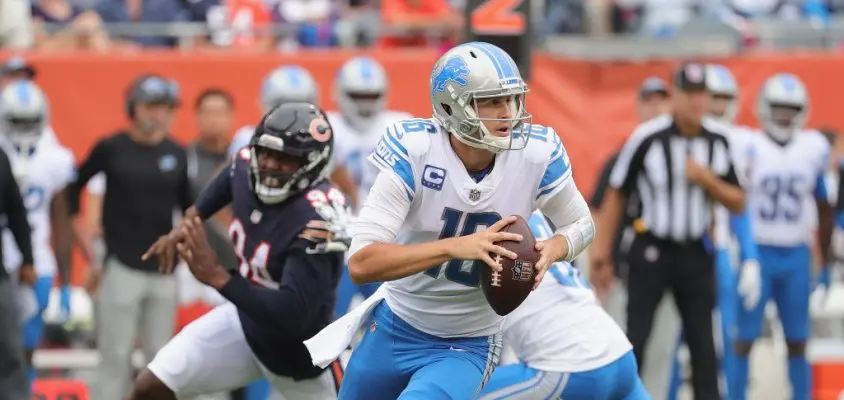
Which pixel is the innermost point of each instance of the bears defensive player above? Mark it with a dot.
(43, 169)
(284, 214)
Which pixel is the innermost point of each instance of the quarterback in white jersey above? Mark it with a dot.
(567, 345)
(785, 182)
(288, 83)
(42, 169)
(447, 186)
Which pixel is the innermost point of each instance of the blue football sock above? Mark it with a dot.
(739, 377)
(30, 374)
(800, 376)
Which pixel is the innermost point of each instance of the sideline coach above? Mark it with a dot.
(146, 179)
(678, 165)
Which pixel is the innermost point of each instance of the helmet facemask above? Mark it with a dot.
(294, 172)
(783, 120)
(361, 107)
(24, 131)
(723, 107)
(472, 127)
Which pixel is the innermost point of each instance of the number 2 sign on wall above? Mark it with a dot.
(499, 17)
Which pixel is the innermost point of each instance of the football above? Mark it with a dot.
(506, 290)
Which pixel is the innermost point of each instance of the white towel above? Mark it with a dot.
(327, 345)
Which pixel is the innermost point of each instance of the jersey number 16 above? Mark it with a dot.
(462, 271)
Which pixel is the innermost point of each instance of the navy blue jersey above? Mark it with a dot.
(284, 295)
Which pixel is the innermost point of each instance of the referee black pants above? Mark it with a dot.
(688, 270)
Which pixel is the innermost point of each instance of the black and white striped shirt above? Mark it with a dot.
(652, 163)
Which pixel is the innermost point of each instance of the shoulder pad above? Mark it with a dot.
(543, 142)
(403, 144)
(331, 231)
(240, 159)
(545, 150)
(414, 134)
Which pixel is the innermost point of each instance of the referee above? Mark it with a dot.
(146, 181)
(678, 165)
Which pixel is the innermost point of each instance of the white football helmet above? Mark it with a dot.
(361, 91)
(24, 115)
(782, 106)
(288, 84)
(471, 72)
(720, 82)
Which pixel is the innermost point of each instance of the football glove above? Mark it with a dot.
(333, 232)
(750, 284)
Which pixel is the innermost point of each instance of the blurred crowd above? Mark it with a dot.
(663, 18)
(107, 25)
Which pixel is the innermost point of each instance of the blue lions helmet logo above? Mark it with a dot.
(454, 69)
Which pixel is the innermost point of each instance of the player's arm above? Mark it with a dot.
(215, 196)
(184, 189)
(373, 255)
(292, 309)
(63, 235)
(560, 200)
(603, 184)
(741, 226)
(92, 165)
(839, 203)
(15, 210)
(622, 180)
(826, 216)
(725, 188)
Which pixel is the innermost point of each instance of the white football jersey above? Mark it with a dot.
(241, 138)
(783, 182)
(351, 147)
(560, 327)
(740, 139)
(445, 201)
(47, 172)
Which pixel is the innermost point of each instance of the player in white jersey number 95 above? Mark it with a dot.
(445, 189)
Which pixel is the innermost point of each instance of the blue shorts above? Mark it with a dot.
(33, 329)
(618, 380)
(397, 361)
(786, 278)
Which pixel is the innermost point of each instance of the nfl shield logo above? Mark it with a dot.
(255, 217)
(522, 271)
(474, 195)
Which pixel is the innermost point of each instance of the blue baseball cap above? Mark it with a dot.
(653, 85)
